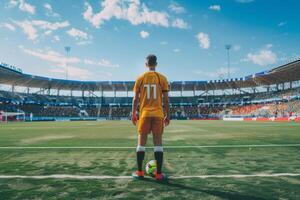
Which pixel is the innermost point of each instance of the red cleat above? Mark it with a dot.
(138, 174)
(161, 177)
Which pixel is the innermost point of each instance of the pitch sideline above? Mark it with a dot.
(89, 177)
(166, 147)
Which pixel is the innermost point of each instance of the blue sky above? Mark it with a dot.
(109, 39)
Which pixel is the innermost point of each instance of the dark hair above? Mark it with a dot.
(151, 60)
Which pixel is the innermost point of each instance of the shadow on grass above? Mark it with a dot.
(217, 193)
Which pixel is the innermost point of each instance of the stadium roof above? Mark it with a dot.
(285, 73)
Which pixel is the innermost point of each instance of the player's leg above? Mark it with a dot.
(157, 131)
(143, 130)
(140, 150)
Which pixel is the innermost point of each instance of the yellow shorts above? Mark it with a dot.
(153, 125)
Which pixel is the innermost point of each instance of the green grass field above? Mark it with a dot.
(221, 156)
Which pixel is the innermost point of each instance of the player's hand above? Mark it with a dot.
(134, 119)
(167, 120)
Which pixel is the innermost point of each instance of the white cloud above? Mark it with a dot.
(8, 26)
(102, 63)
(12, 3)
(176, 50)
(108, 74)
(88, 15)
(107, 63)
(23, 6)
(49, 25)
(220, 73)
(164, 43)
(179, 23)
(58, 70)
(236, 47)
(176, 8)
(203, 39)
(144, 34)
(268, 46)
(50, 11)
(77, 72)
(244, 1)
(26, 7)
(73, 72)
(78, 34)
(51, 56)
(30, 28)
(56, 38)
(132, 11)
(48, 7)
(49, 32)
(282, 24)
(223, 71)
(89, 62)
(84, 42)
(265, 56)
(215, 7)
(60, 61)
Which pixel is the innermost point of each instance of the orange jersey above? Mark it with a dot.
(151, 86)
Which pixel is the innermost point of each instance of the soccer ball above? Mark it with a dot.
(151, 167)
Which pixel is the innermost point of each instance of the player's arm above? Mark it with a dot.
(135, 103)
(166, 108)
(165, 96)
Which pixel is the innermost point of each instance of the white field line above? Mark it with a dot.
(237, 176)
(82, 177)
(166, 147)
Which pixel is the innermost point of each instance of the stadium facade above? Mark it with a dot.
(44, 98)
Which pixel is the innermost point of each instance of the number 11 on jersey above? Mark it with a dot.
(148, 88)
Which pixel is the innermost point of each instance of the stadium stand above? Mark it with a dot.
(273, 93)
(246, 109)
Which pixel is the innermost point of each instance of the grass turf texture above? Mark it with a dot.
(121, 162)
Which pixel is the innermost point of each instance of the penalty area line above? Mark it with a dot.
(166, 147)
(83, 177)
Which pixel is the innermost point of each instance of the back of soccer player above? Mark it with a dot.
(151, 90)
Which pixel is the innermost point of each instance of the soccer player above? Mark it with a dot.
(151, 91)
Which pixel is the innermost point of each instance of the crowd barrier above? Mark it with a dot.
(263, 119)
